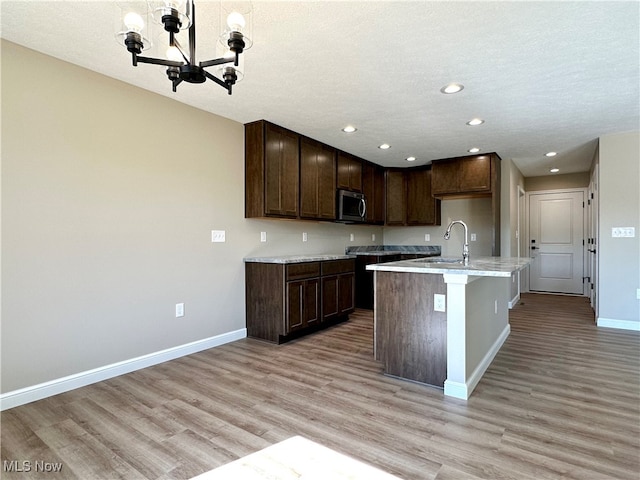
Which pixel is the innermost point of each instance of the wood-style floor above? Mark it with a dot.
(561, 400)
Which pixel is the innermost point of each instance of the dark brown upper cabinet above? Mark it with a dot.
(464, 176)
(349, 172)
(317, 180)
(373, 189)
(396, 193)
(422, 207)
(271, 171)
(409, 199)
(470, 177)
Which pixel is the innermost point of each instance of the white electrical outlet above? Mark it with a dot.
(623, 232)
(304, 236)
(263, 236)
(427, 237)
(373, 237)
(439, 302)
(351, 237)
(179, 310)
(218, 236)
(638, 293)
(473, 237)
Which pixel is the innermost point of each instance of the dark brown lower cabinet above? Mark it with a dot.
(338, 288)
(303, 305)
(284, 301)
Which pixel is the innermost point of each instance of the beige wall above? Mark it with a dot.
(619, 206)
(556, 182)
(106, 226)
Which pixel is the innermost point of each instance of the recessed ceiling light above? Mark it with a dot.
(554, 170)
(550, 154)
(384, 146)
(349, 129)
(452, 88)
(474, 150)
(475, 121)
(410, 159)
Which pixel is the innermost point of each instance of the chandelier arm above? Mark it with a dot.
(175, 84)
(159, 61)
(223, 84)
(217, 61)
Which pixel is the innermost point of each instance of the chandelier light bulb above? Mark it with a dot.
(174, 54)
(133, 22)
(236, 21)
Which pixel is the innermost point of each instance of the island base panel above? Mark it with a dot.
(411, 338)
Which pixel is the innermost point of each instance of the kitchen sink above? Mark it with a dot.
(439, 261)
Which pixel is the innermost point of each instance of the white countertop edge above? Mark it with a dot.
(480, 267)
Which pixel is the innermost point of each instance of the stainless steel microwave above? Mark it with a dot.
(352, 207)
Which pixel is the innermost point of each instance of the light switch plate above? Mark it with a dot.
(263, 236)
(304, 236)
(473, 237)
(179, 310)
(218, 236)
(623, 232)
(439, 302)
(427, 237)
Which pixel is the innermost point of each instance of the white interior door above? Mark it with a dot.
(556, 242)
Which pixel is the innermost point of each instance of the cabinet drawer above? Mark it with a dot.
(333, 267)
(299, 271)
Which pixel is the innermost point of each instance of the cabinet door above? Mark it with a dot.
(330, 297)
(346, 293)
(317, 180)
(338, 295)
(422, 208)
(302, 304)
(281, 172)
(396, 211)
(475, 174)
(349, 172)
(373, 189)
(444, 177)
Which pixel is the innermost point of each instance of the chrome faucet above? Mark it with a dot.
(465, 248)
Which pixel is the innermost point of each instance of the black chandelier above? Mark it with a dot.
(176, 15)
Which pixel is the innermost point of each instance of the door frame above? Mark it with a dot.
(593, 202)
(584, 191)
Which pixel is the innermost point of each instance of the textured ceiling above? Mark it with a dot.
(545, 76)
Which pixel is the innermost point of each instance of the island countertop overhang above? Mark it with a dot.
(478, 267)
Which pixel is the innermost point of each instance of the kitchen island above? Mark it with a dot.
(440, 322)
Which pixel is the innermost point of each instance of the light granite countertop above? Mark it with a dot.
(478, 267)
(298, 258)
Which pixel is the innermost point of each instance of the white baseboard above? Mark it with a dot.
(71, 382)
(514, 301)
(621, 324)
(463, 390)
